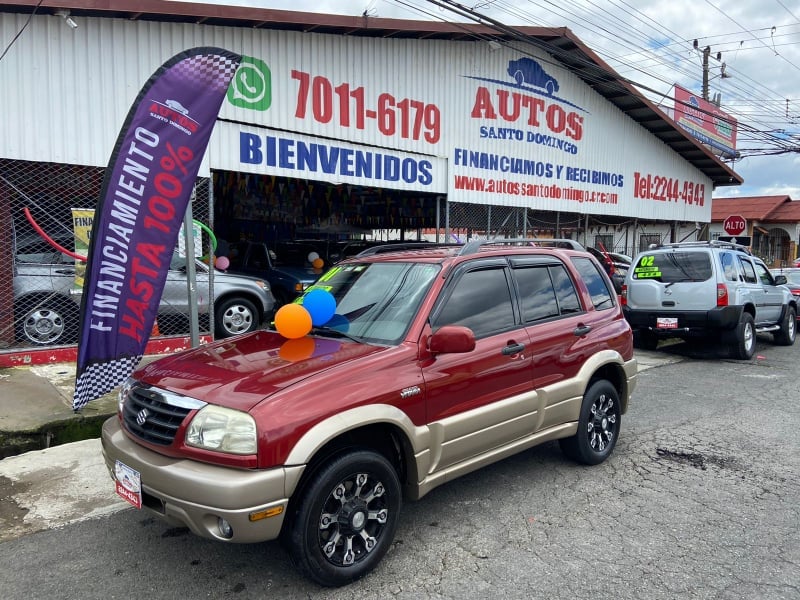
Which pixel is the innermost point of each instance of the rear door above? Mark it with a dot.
(481, 399)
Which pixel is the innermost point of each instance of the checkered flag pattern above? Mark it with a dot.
(213, 70)
(100, 378)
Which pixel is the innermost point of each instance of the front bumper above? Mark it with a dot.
(196, 495)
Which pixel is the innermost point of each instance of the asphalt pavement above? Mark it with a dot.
(52, 472)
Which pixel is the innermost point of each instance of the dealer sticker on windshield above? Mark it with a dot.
(128, 484)
(667, 322)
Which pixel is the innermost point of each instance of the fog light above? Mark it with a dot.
(225, 529)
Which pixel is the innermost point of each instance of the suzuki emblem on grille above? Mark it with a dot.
(141, 416)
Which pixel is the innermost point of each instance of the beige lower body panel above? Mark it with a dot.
(196, 495)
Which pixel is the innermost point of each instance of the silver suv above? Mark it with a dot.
(716, 290)
(47, 303)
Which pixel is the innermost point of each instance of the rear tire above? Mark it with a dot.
(744, 346)
(786, 335)
(598, 425)
(51, 323)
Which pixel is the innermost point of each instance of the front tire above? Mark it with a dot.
(235, 316)
(346, 519)
(598, 425)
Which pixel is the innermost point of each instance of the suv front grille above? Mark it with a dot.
(155, 415)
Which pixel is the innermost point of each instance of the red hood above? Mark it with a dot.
(240, 372)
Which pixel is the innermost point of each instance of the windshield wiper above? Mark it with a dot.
(332, 332)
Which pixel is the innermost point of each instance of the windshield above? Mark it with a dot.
(376, 302)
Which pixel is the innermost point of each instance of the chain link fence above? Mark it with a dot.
(461, 222)
(46, 211)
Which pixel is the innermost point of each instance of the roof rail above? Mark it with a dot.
(475, 245)
(707, 244)
(398, 247)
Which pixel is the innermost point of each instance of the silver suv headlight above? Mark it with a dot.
(222, 430)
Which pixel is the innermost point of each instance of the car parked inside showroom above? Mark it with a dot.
(285, 266)
(47, 300)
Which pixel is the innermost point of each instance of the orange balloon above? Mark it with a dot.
(292, 321)
(318, 262)
(297, 349)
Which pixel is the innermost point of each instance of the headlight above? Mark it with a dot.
(222, 430)
(123, 393)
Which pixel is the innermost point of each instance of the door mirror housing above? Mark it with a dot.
(452, 339)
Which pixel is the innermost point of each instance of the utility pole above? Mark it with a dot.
(706, 56)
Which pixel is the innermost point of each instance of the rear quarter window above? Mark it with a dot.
(672, 267)
(602, 295)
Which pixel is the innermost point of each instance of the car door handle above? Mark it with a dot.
(581, 330)
(513, 349)
(65, 271)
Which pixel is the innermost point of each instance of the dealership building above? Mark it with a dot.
(338, 126)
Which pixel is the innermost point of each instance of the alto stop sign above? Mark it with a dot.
(734, 225)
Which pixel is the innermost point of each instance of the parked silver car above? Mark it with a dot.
(47, 302)
(717, 290)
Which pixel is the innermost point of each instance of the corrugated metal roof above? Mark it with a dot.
(561, 43)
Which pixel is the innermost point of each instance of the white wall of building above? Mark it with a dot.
(423, 115)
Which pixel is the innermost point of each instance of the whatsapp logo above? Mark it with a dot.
(251, 86)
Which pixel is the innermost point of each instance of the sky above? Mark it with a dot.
(651, 43)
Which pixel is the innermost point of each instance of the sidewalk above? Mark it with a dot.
(36, 409)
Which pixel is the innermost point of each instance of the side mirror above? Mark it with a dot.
(780, 280)
(452, 339)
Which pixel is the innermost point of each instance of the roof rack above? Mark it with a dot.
(475, 245)
(400, 246)
(707, 244)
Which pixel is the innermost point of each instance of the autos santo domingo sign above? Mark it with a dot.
(734, 225)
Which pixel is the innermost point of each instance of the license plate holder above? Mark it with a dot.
(667, 323)
(128, 484)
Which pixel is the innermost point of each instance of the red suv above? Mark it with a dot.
(438, 360)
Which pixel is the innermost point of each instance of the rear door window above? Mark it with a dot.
(748, 270)
(674, 267)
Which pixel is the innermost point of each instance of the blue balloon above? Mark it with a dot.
(321, 305)
(339, 323)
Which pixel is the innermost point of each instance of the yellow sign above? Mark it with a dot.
(82, 219)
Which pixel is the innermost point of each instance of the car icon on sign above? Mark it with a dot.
(527, 71)
(177, 106)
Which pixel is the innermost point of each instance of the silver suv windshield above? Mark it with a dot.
(673, 267)
(376, 302)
